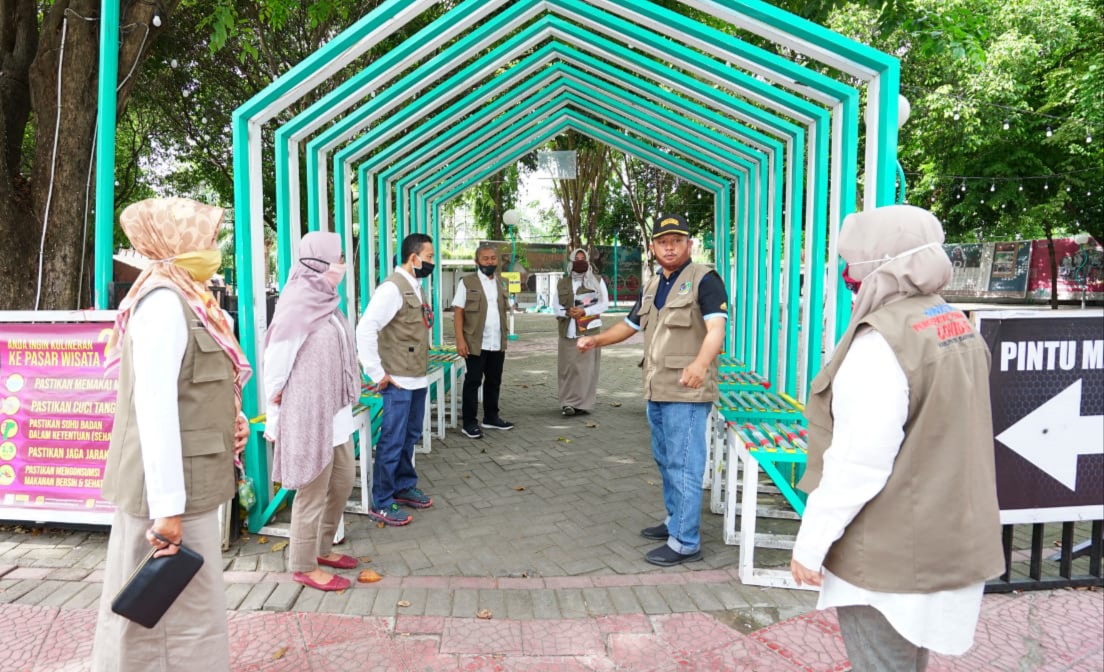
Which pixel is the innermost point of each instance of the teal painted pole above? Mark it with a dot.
(901, 184)
(105, 150)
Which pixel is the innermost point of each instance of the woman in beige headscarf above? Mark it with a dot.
(580, 299)
(901, 529)
(177, 427)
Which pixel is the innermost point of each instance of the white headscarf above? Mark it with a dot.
(589, 279)
(896, 251)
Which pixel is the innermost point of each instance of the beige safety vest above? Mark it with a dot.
(936, 524)
(205, 389)
(673, 337)
(475, 312)
(404, 341)
(567, 295)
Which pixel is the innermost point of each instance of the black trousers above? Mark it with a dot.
(484, 369)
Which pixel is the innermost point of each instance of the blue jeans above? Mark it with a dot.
(393, 470)
(678, 446)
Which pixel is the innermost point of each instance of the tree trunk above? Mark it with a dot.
(1053, 265)
(42, 222)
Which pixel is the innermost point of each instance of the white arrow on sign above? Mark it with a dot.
(1054, 435)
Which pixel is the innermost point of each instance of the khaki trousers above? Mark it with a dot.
(193, 633)
(317, 510)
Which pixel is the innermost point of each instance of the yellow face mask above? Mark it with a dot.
(201, 264)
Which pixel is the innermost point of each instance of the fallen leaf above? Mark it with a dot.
(467, 475)
(381, 525)
(403, 603)
(563, 438)
(279, 653)
(650, 482)
(278, 546)
(519, 488)
(485, 614)
(591, 424)
(368, 576)
(262, 540)
(365, 559)
(615, 404)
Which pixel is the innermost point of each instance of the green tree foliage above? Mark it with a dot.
(1006, 98)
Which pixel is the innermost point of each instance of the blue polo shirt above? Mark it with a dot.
(712, 296)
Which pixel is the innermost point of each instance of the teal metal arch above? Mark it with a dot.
(388, 157)
(877, 69)
(418, 177)
(814, 363)
(431, 97)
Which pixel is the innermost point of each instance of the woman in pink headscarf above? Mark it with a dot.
(311, 380)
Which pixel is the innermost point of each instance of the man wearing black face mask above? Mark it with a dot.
(480, 322)
(393, 348)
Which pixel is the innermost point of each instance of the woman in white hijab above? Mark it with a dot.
(580, 299)
(902, 528)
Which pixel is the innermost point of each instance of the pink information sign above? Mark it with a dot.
(57, 407)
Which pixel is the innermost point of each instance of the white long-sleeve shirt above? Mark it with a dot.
(870, 401)
(385, 304)
(492, 326)
(601, 306)
(279, 357)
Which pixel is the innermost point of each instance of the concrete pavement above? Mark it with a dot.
(538, 526)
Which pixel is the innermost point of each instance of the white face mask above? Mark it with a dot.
(886, 259)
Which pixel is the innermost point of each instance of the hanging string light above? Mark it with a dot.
(1010, 111)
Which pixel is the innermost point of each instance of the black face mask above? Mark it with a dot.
(425, 270)
(580, 266)
(488, 270)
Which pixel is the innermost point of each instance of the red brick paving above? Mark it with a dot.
(1059, 630)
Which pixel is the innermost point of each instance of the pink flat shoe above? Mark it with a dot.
(336, 582)
(344, 562)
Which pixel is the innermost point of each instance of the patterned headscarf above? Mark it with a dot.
(896, 252)
(160, 229)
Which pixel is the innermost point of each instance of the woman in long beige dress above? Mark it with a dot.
(579, 301)
(177, 427)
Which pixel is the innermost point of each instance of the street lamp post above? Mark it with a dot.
(511, 218)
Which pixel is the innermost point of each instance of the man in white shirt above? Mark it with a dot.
(480, 323)
(393, 348)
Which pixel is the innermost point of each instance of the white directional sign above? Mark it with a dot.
(1047, 391)
(1055, 435)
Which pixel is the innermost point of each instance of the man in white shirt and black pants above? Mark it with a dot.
(480, 322)
(393, 348)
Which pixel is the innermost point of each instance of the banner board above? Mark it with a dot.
(1047, 392)
(57, 408)
(1021, 270)
(1080, 270)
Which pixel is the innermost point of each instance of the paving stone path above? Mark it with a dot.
(540, 527)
